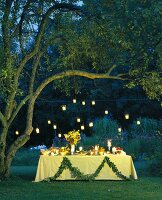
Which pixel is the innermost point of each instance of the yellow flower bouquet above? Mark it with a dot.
(73, 137)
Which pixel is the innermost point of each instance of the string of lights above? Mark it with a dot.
(78, 120)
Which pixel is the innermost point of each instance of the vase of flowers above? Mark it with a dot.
(72, 137)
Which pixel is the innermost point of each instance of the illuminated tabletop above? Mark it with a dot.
(48, 166)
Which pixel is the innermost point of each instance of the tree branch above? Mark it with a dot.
(111, 69)
(2, 119)
(21, 23)
(18, 143)
(30, 55)
(23, 102)
(74, 73)
(67, 6)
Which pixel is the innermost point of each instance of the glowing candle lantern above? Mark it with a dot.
(80, 148)
(59, 135)
(78, 120)
(55, 126)
(74, 100)
(96, 147)
(49, 121)
(126, 116)
(109, 143)
(82, 127)
(138, 122)
(17, 132)
(83, 103)
(63, 107)
(37, 130)
(93, 103)
(106, 112)
(119, 130)
(91, 124)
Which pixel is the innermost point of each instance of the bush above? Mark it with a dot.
(103, 130)
(144, 140)
(155, 168)
(106, 128)
(147, 128)
(26, 157)
(132, 147)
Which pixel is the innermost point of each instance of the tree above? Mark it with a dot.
(38, 48)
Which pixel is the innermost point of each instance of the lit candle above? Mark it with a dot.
(93, 103)
(74, 100)
(96, 147)
(91, 152)
(57, 151)
(109, 144)
(80, 148)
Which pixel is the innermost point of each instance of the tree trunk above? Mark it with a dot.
(2, 150)
(5, 170)
(6, 160)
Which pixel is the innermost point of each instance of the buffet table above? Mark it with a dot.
(48, 166)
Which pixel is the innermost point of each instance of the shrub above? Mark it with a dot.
(144, 140)
(26, 157)
(155, 168)
(105, 128)
(147, 128)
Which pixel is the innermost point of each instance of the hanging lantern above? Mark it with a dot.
(63, 107)
(37, 130)
(59, 135)
(106, 112)
(74, 100)
(91, 124)
(138, 122)
(55, 126)
(78, 120)
(93, 103)
(126, 116)
(83, 103)
(49, 121)
(17, 132)
(82, 127)
(119, 130)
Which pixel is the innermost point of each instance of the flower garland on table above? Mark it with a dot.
(66, 164)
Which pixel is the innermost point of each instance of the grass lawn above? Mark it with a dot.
(22, 188)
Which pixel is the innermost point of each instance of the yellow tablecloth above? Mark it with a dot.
(48, 166)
